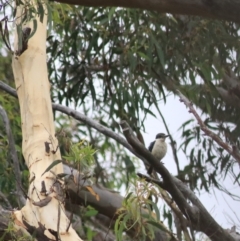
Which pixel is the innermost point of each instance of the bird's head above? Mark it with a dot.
(161, 136)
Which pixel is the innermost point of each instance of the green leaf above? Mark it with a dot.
(111, 13)
(156, 224)
(40, 11)
(33, 31)
(91, 213)
(144, 56)
(19, 34)
(129, 195)
(54, 163)
(156, 209)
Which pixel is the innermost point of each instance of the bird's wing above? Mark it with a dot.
(151, 146)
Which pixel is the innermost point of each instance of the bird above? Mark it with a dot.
(158, 148)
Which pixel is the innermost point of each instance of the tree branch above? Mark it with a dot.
(233, 151)
(216, 9)
(172, 141)
(80, 117)
(94, 124)
(159, 167)
(8, 89)
(207, 224)
(228, 97)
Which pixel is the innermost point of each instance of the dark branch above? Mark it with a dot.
(216, 9)
(158, 166)
(8, 89)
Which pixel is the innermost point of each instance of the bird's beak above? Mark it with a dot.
(166, 136)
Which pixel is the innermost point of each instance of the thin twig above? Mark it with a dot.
(172, 142)
(58, 222)
(3, 197)
(233, 151)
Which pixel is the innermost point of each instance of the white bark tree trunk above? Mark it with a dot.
(33, 89)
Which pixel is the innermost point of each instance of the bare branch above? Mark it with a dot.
(228, 97)
(172, 141)
(88, 121)
(94, 124)
(233, 151)
(8, 89)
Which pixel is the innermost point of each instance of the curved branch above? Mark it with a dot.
(94, 124)
(80, 117)
(8, 89)
(216, 9)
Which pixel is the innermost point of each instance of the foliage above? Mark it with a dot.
(7, 176)
(15, 235)
(81, 155)
(136, 213)
(116, 62)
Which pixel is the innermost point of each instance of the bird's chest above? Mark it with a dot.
(159, 149)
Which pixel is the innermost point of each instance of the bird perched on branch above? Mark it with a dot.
(158, 148)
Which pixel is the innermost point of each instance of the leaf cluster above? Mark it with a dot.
(136, 214)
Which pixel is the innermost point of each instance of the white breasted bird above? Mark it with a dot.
(158, 148)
